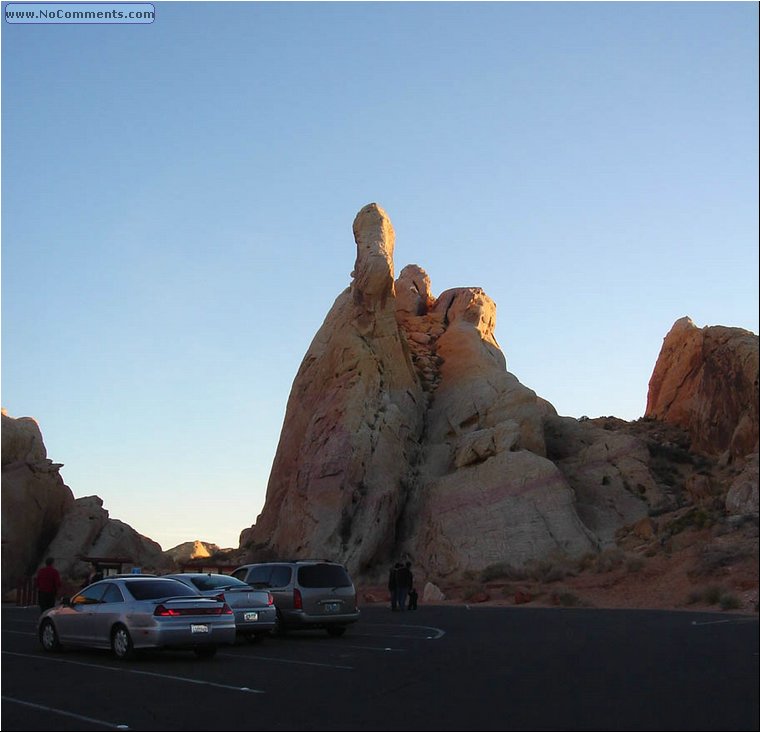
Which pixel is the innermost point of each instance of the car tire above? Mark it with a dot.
(336, 631)
(279, 628)
(121, 643)
(49, 637)
(205, 651)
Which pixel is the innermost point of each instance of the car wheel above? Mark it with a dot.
(49, 637)
(121, 643)
(205, 651)
(336, 631)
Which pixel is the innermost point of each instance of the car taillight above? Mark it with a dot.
(226, 610)
(270, 598)
(162, 611)
(297, 599)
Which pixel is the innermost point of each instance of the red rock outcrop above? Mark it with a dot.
(706, 381)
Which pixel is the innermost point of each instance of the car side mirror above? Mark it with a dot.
(66, 601)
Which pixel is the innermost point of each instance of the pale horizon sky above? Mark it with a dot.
(177, 201)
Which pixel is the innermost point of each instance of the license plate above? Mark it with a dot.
(250, 617)
(332, 607)
(199, 628)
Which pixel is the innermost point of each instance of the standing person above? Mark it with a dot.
(413, 596)
(404, 583)
(48, 584)
(392, 584)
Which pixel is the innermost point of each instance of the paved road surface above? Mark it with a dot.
(439, 668)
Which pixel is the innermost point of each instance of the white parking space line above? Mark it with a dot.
(80, 717)
(375, 648)
(184, 679)
(286, 660)
(732, 621)
(435, 633)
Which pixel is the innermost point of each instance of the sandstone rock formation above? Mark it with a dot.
(353, 422)
(40, 516)
(191, 550)
(706, 380)
(405, 433)
(34, 498)
(87, 531)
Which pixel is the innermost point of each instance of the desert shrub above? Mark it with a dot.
(569, 599)
(713, 558)
(502, 570)
(729, 602)
(699, 518)
(634, 564)
(715, 595)
(546, 571)
(608, 560)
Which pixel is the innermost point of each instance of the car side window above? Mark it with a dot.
(112, 594)
(280, 576)
(89, 596)
(240, 574)
(259, 575)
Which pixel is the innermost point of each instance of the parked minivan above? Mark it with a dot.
(307, 593)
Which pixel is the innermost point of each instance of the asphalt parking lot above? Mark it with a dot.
(439, 668)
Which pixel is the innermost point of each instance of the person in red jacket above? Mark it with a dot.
(48, 585)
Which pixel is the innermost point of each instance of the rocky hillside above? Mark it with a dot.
(406, 435)
(40, 516)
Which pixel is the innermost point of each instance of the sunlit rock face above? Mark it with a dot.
(404, 432)
(353, 423)
(706, 381)
(34, 498)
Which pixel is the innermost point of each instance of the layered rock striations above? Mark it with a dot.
(706, 381)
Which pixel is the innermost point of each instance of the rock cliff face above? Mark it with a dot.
(40, 516)
(405, 433)
(340, 476)
(706, 381)
(87, 531)
(34, 498)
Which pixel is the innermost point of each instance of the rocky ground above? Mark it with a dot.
(700, 568)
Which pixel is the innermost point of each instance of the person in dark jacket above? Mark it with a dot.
(392, 575)
(404, 583)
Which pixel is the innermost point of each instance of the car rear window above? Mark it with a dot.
(216, 581)
(323, 575)
(157, 589)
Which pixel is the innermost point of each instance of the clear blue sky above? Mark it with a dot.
(177, 202)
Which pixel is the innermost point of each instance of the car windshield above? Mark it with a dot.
(216, 582)
(157, 589)
(323, 575)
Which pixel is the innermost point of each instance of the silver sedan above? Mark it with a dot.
(254, 609)
(127, 614)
